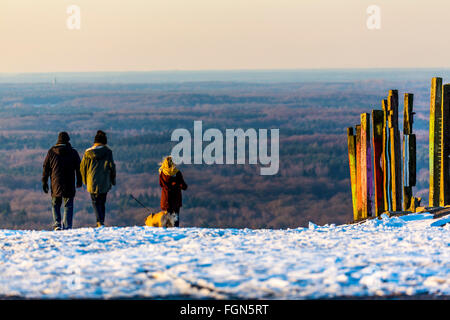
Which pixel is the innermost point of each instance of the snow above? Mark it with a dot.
(406, 255)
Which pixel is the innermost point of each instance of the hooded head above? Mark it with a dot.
(63, 138)
(100, 137)
(168, 167)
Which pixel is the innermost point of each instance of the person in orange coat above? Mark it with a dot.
(172, 182)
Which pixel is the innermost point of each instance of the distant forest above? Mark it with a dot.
(312, 183)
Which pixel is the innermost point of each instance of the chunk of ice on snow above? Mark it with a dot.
(312, 226)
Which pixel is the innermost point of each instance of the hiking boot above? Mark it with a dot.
(100, 224)
(57, 228)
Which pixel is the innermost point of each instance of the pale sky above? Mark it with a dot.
(146, 35)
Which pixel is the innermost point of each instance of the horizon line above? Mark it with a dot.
(233, 70)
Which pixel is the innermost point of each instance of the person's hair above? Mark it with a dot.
(100, 137)
(63, 138)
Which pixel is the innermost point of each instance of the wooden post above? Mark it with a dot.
(409, 157)
(444, 195)
(377, 141)
(395, 151)
(408, 113)
(409, 153)
(435, 141)
(358, 172)
(366, 167)
(352, 163)
(386, 162)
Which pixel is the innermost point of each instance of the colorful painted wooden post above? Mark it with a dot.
(358, 172)
(395, 151)
(377, 142)
(352, 163)
(386, 163)
(435, 141)
(366, 167)
(409, 154)
(444, 195)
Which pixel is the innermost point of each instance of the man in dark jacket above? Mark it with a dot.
(62, 164)
(99, 174)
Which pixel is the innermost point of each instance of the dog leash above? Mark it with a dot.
(141, 204)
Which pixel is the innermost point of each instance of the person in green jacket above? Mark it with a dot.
(98, 172)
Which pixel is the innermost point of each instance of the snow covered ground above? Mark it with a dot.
(400, 255)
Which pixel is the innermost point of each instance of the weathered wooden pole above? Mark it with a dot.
(377, 142)
(435, 141)
(352, 163)
(408, 113)
(409, 154)
(395, 151)
(386, 159)
(409, 202)
(444, 195)
(358, 172)
(366, 167)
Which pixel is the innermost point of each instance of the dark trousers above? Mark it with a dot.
(68, 212)
(177, 211)
(98, 203)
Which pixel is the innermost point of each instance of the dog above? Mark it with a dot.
(161, 219)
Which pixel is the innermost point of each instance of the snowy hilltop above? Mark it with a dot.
(406, 255)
